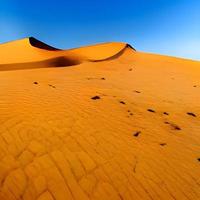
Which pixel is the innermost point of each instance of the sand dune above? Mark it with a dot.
(97, 122)
(30, 53)
(32, 50)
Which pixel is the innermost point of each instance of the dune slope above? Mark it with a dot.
(97, 122)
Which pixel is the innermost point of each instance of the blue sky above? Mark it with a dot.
(169, 27)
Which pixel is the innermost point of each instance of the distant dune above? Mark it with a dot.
(97, 122)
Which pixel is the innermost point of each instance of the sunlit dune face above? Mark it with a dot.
(98, 122)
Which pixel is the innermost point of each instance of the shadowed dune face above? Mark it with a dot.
(63, 61)
(38, 44)
(117, 125)
(53, 62)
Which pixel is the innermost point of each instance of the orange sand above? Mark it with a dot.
(100, 122)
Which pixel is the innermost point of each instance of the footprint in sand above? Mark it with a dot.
(130, 113)
(95, 97)
(174, 126)
(137, 133)
(136, 91)
(163, 144)
(122, 102)
(151, 110)
(191, 114)
(52, 86)
(96, 78)
(165, 113)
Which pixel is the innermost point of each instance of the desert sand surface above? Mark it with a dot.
(102, 122)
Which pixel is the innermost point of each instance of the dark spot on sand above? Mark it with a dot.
(136, 134)
(198, 159)
(194, 86)
(95, 97)
(122, 102)
(137, 91)
(165, 113)
(35, 83)
(150, 110)
(163, 144)
(174, 126)
(131, 113)
(52, 86)
(90, 78)
(191, 114)
(128, 111)
(130, 69)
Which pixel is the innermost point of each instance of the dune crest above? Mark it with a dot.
(30, 53)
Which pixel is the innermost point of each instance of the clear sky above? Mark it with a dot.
(169, 27)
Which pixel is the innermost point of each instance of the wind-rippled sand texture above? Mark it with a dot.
(100, 122)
